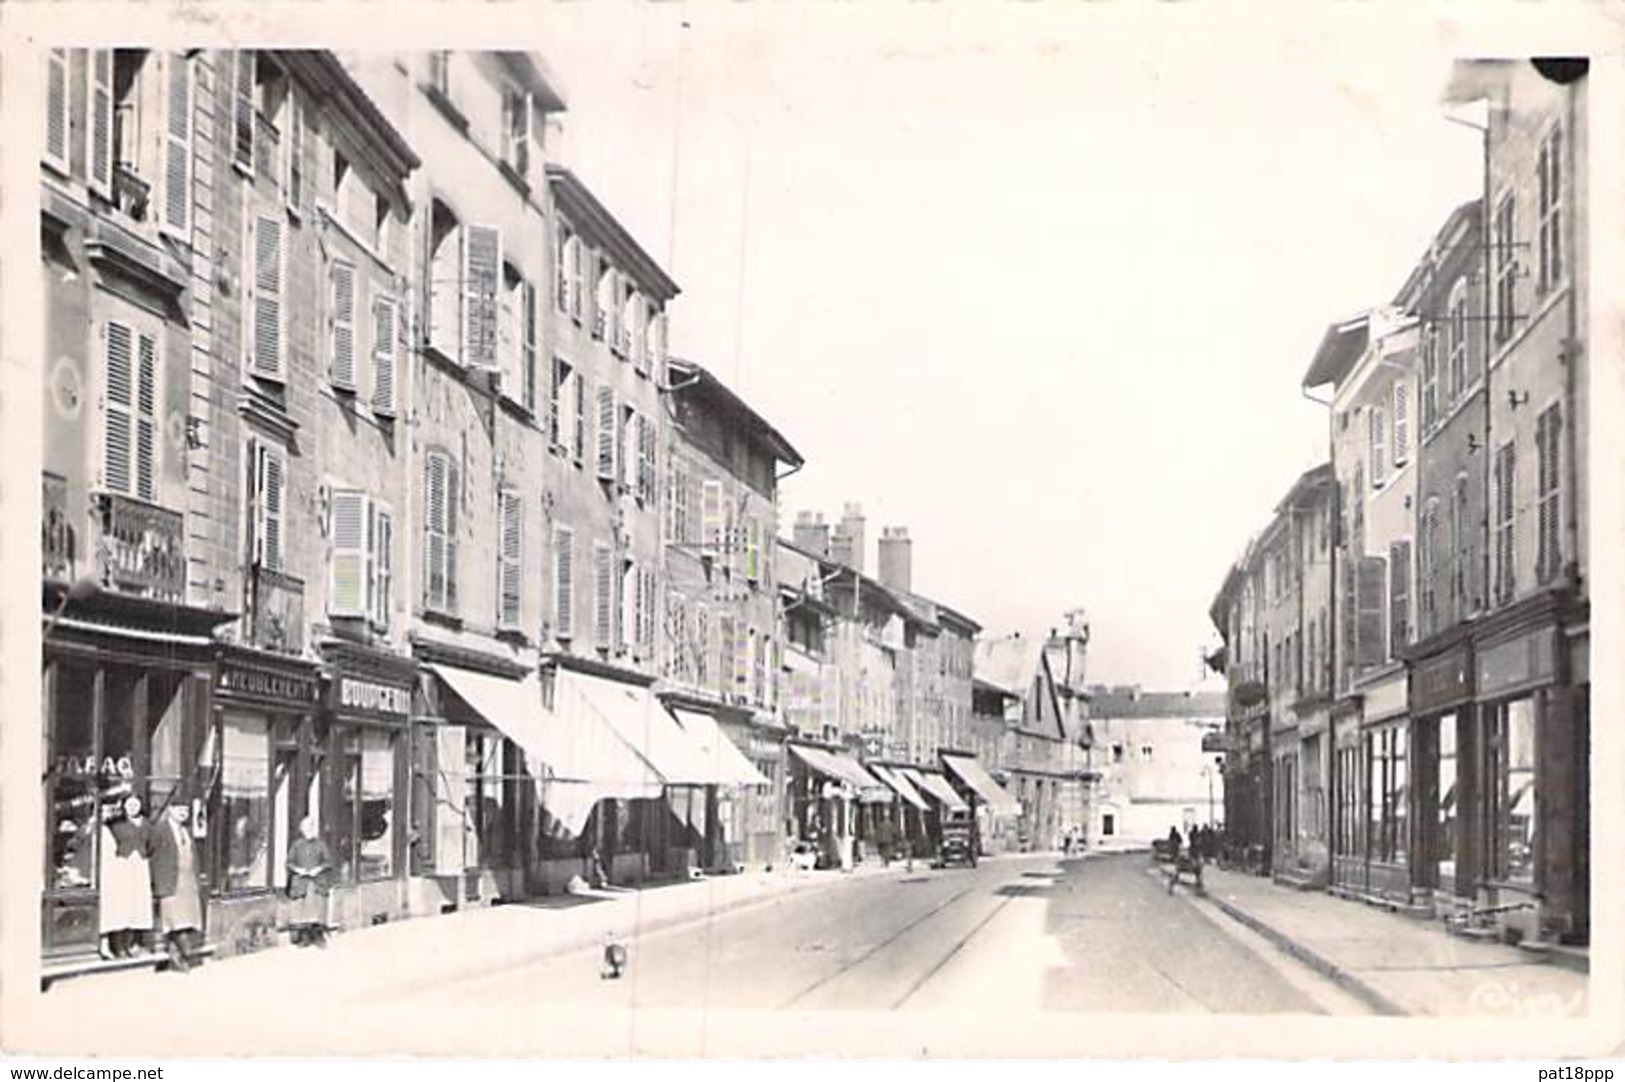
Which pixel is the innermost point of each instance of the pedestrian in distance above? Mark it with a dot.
(308, 864)
(176, 888)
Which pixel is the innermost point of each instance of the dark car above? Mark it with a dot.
(958, 840)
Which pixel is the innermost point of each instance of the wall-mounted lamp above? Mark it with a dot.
(1472, 443)
(1407, 502)
(1517, 398)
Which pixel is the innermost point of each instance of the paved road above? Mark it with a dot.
(1018, 934)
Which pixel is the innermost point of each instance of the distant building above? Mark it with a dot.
(1155, 771)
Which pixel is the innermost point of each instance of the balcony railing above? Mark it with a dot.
(59, 541)
(276, 611)
(141, 548)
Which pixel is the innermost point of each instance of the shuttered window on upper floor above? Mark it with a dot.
(56, 109)
(510, 560)
(130, 411)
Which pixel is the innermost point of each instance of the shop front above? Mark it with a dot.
(992, 804)
(735, 814)
(909, 809)
(125, 712)
(360, 753)
(758, 809)
(1350, 870)
(944, 799)
(827, 791)
(1443, 733)
(262, 781)
(1386, 756)
(1530, 810)
(473, 774)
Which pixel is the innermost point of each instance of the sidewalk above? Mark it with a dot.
(375, 964)
(1399, 965)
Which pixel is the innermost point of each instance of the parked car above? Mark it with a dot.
(958, 840)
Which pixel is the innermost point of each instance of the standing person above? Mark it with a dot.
(308, 864)
(175, 886)
(125, 914)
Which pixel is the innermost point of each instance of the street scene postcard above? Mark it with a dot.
(476, 454)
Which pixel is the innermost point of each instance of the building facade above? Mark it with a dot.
(1156, 764)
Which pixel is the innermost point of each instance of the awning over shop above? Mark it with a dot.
(937, 788)
(513, 706)
(841, 768)
(975, 776)
(900, 785)
(639, 719)
(726, 762)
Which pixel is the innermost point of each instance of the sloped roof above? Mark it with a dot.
(1009, 663)
(1118, 702)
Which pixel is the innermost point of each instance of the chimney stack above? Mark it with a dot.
(846, 545)
(896, 558)
(811, 534)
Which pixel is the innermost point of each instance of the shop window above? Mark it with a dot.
(1445, 850)
(364, 830)
(1387, 794)
(1518, 799)
(485, 834)
(242, 829)
(72, 781)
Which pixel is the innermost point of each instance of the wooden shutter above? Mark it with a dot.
(753, 548)
(603, 325)
(1402, 423)
(606, 433)
(266, 512)
(118, 408)
(450, 797)
(646, 479)
(243, 111)
(1506, 469)
(482, 281)
(561, 268)
(528, 353)
(99, 130)
(711, 516)
(437, 468)
(511, 560)
(342, 364)
(348, 586)
(628, 443)
(178, 146)
(383, 356)
(146, 418)
(1399, 592)
(382, 561)
(556, 405)
(603, 596)
(1370, 611)
(579, 419)
(56, 109)
(563, 582)
(630, 339)
(727, 653)
(268, 297)
(1379, 446)
(1549, 548)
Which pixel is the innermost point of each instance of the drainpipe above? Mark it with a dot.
(1330, 643)
(1573, 347)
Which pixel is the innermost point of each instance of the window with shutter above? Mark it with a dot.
(632, 629)
(603, 323)
(631, 329)
(564, 608)
(440, 532)
(268, 262)
(347, 570)
(603, 624)
(295, 190)
(711, 516)
(1399, 596)
(269, 489)
(727, 653)
(382, 560)
(482, 279)
(1549, 557)
(528, 352)
(1505, 482)
(1506, 268)
(744, 648)
(511, 561)
(56, 109)
(1402, 423)
(99, 129)
(1379, 446)
(1457, 361)
(556, 402)
(606, 433)
(646, 460)
(1549, 170)
(700, 646)
(650, 592)
(753, 549)
(445, 286)
(243, 111)
(384, 330)
(177, 182)
(341, 363)
(1371, 597)
(119, 408)
(579, 440)
(563, 255)
(1430, 379)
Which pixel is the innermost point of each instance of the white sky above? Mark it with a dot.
(1039, 281)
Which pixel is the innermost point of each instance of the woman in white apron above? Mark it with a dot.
(126, 885)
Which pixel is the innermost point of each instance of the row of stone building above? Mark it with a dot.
(1407, 639)
(372, 496)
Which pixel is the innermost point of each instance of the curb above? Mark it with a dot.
(1340, 976)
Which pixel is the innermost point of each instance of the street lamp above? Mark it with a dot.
(1207, 772)
(81, 589)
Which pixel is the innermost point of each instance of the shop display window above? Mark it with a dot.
(1448, 805)
(1519, 796)
(73, 782)
(244, 830)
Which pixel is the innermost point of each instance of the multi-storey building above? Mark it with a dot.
(1272, 612)
(1156, 769)
(1016, 670)
(721, 644)
(1068, 652)
(1372, 362)
(1522, 742)
(193, 408)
